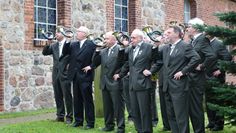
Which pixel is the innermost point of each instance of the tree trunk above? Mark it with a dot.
(98, 94)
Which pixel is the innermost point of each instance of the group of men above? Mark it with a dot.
(128, 69)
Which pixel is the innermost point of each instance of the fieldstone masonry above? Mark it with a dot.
(153, 14)
(89, 13)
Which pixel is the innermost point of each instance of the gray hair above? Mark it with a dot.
(196, 21)
(83, 29)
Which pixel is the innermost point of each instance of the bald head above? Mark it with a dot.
(109, 39)
(136, 37)
(110, 35)
(138, 32)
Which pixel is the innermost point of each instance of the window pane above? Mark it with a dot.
(42, 3)
(124, 25)
(186, 17)
(117, 11)
(40, 27)
(124, 12)
(35, 2)
(52, 3)
(117, 25)
(52, 28)
(35, 30)
(125, 2)
(51, 16)
(42, 15)
(186, 6)
(118, 2)
(186, 10)
(35, 14)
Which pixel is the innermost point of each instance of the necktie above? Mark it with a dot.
(192, 42)
(60, 48)
(81, 45)
(109, 51)
(136, 49)
(171, 48)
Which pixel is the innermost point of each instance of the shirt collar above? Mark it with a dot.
(82, 41)
(177, 42)
(139, 44)
(62, 42)
(197, 35)
(113, 46)
(213, 39)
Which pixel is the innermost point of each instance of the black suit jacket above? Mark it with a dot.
(80, 58)
(110, 65)
(59, 63)
(202, 46)
(222, 54)
(183, 58)
(144, 59)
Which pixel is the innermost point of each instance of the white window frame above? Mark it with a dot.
(121, 19)
(187, 11)
(44, 23)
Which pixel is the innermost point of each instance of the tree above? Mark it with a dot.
(224, 95)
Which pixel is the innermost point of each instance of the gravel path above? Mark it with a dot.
(46, 116)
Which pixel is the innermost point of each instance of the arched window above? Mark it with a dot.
(190, 10)
(45, 17)
(121, 15)
(187, 13)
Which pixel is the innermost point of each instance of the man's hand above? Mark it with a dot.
(178, 75)
(146, 72)
(116, 77)
(216, 73)
(86, 69)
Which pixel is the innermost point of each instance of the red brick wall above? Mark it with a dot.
(135, 14)
(29, 22)
(174, 10)
(64, 12)
(205, 10)
(110, 15)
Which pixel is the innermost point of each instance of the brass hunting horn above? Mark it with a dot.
(153, 35)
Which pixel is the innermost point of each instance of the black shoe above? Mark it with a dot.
(120, 132)
(210, 125)
(58, 119)
(77, 124)
(165, 129)
(107, 129)
(88, 127)
(217, 128)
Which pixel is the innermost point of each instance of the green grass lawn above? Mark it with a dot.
(26, 113)
(49, 126)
